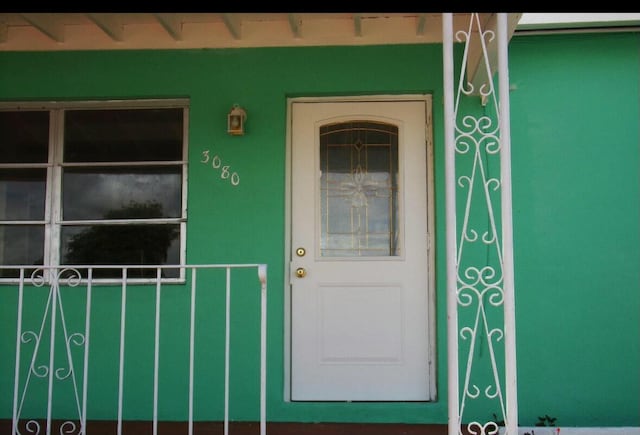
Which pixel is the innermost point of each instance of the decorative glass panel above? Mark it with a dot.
(359, 189)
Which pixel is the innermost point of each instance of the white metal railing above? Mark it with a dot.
(66, 352)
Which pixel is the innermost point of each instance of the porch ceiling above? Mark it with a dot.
(122, 31)
(109, 31)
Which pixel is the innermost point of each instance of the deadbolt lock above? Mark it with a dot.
(300, 272)
(300, 252)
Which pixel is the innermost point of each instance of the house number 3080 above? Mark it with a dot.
(225, 170)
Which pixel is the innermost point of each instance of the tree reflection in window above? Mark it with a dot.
(123, 244)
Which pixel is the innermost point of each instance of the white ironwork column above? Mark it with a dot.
(482, 385)
(450, 202)
(507, 229)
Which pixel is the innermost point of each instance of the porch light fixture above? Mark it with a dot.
(235, 120)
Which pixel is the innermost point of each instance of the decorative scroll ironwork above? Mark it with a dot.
(48, 362)
(480, 279)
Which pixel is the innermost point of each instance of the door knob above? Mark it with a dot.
(300, 272)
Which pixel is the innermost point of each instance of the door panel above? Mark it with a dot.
(359, 265)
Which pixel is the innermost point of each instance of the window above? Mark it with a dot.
(94, 184)
(359, 189)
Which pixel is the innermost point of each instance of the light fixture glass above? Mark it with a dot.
(235, 120)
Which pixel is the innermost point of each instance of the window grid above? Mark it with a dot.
(54, 222)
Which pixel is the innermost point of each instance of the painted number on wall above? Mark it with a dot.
(225, 170)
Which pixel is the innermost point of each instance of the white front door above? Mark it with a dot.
(360, 269)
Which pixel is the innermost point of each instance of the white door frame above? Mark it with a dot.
(430, 226)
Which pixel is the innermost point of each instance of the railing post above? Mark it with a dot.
(227, 350)
(262, 275)
(156, 350)
(16, 379)
(191, 345)
(123, 311)
(85, 376)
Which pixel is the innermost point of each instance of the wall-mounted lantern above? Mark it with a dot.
(235, 120)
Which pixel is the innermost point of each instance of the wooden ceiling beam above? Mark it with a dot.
(171, 24)
(234, 25)
(47, 25)
(295, 23)
(109, 25)
(421, 22)
(4, 32)
(357, 24)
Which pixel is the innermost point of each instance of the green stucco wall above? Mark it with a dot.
(575, 187)
(226, 223)
(575, 141)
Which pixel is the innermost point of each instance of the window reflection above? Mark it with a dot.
(93, 193)
(123, 135)
(21, 245)
(22, 194)
(24, 136)
(127, 244)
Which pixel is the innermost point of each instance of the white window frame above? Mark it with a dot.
(53, 191)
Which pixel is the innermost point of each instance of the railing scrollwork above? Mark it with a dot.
(54, 307)
(52, 319)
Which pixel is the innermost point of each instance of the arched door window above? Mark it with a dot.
(359, 189)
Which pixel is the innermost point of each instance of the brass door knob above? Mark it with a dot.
(300, 272)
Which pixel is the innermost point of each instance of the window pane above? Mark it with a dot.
(359, 189)
(22, 193)
(122, 193)
(24, 137)
(149, 244)
(123, 135)
(21, 244)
